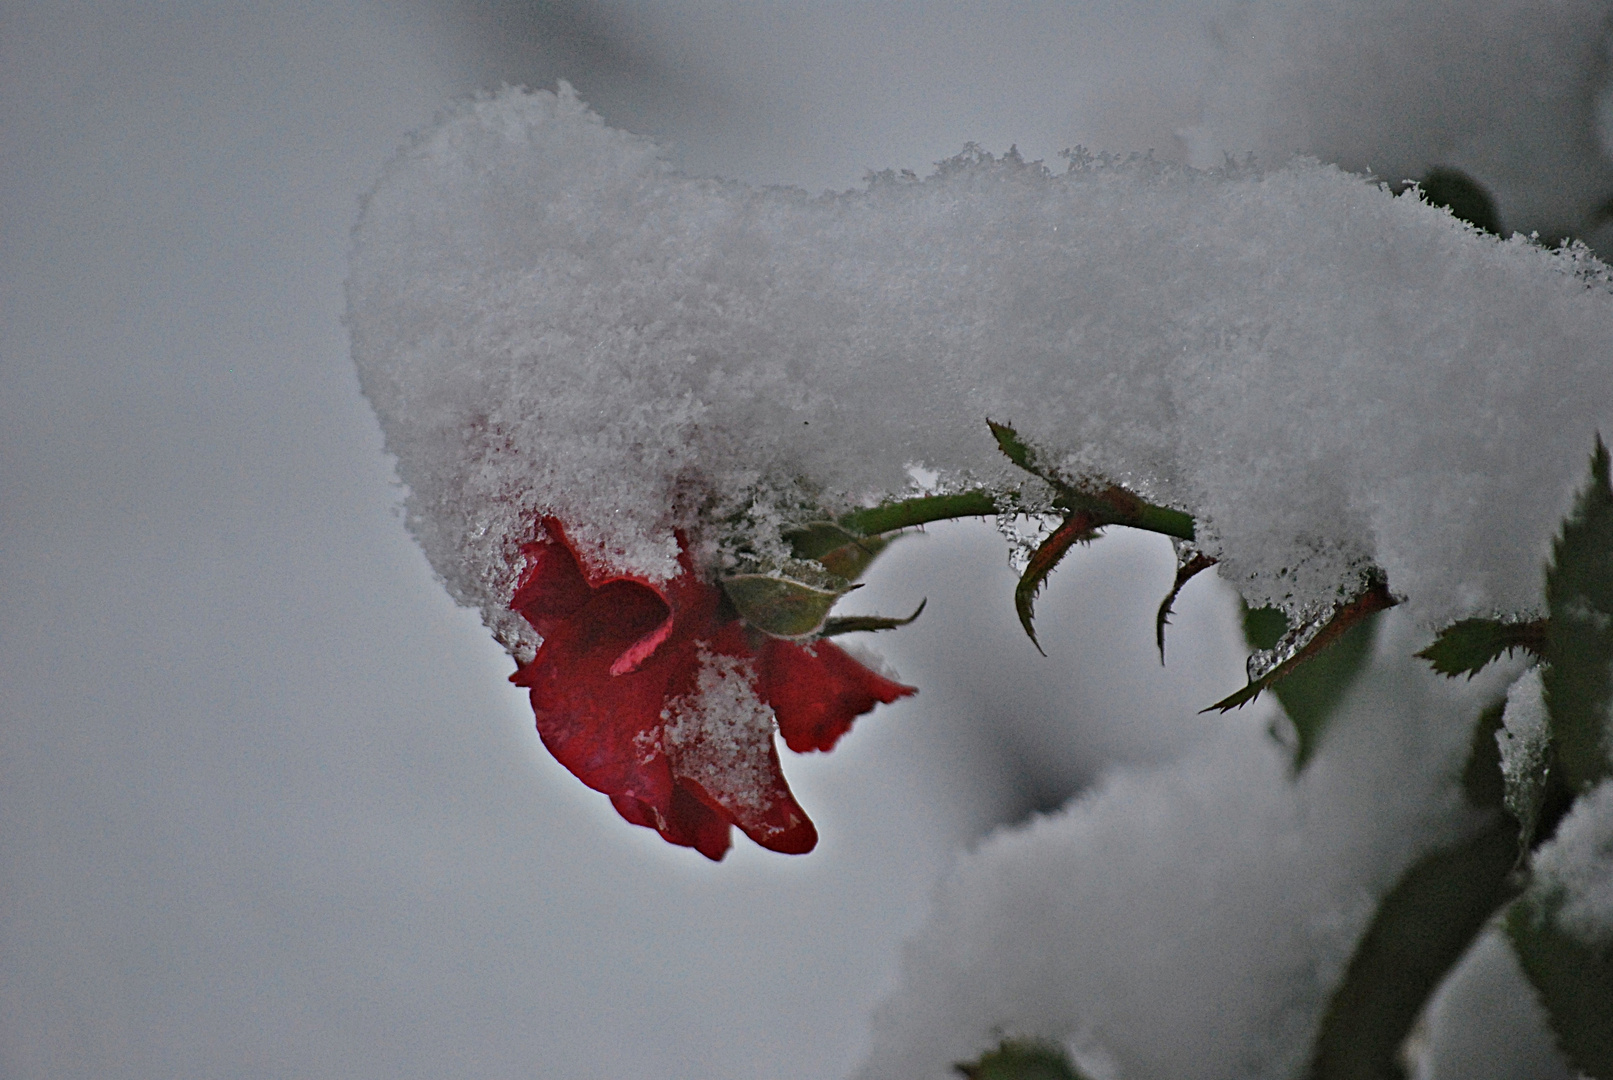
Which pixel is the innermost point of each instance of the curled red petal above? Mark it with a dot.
(688, 822)
(719, 740)
(817, 690)
(552, 588)
(606, 728)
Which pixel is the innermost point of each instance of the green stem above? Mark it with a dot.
(918, 511)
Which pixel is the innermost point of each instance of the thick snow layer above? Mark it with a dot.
(550, 320)
(1190, 920)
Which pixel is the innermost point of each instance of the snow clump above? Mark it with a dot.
(550, 320)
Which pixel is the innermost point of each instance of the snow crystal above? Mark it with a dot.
(721, 735)
(550, 320)
(1190, 920)
(1579, 862)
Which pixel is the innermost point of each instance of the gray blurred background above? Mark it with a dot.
(268, 807)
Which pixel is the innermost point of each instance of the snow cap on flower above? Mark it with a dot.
(550, 320)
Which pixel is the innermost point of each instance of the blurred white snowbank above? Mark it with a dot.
(1190, 920)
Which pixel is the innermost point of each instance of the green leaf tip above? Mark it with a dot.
(1468, 646)
(1578, 674)
(1573, 977)
(1013, 447)
(852, 624)
(1021, 1059)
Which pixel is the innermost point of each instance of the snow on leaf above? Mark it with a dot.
(1524, 742)
(1562, 931)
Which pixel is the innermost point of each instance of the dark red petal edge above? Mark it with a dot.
(817, 691)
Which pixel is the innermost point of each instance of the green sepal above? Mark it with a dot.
(1075, 529)
(1371, 600)
(843, 553)
(1021, 1059)
(1468, 646)
(1578, 676)
(853, 624)
(817, 538)
(1573, 976)
(1420, 930)
(779, 606)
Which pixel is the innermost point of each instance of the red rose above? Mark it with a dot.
(661, 697)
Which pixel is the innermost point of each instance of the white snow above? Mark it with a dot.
(1579, 862)
(1524, 740)
(1189, 920)
(550, 320)
(721, 736)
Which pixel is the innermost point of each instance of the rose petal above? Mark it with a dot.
(817, 690)
(607, 728)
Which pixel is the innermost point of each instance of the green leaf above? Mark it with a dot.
(1462, 195)
(1420, 930)
(1021, 1059)
(1573, 976)
(1189, 564)
(1578, 675)
(1466, 647)
(1482, 781)
(1371, 600)
(851, 624)
(778, 606)
(1076, 529)
(1015, 449)
(1311, 694)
